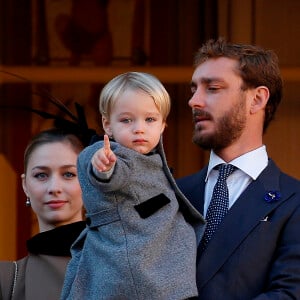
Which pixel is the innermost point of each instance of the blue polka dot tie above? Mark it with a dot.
(219, 203)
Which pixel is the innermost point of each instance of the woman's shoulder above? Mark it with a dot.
(22, 275)
(7, 275)
(9, 271)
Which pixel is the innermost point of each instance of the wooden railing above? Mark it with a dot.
(167, 74)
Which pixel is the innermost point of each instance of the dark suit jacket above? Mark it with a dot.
(255, 253)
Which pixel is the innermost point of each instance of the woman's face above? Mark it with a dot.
(52, 185)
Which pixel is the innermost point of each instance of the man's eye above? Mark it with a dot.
(213, 88)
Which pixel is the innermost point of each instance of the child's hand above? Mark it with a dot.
(104, 159)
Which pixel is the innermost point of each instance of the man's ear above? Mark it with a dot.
(106, 126)
(260, 99)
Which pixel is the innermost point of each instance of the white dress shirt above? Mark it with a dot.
(249, 166)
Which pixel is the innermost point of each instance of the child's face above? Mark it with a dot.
(135, 122)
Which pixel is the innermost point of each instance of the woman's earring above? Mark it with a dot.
(28, 203)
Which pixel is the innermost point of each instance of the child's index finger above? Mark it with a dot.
(106, 144)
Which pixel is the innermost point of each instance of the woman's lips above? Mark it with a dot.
(56, 203)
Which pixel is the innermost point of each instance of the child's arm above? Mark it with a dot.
(104, 159)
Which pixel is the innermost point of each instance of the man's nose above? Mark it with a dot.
(197, 99)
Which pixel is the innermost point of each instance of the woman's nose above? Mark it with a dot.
(55, 185)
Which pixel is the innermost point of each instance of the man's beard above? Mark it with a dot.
(229, 128)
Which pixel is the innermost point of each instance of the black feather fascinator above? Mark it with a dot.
(66, 120)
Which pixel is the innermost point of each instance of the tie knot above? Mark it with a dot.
(225, 170)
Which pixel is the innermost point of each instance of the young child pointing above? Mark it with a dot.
(142, 233)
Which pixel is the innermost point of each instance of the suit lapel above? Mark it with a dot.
(242, 218)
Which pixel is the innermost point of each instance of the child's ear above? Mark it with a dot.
(164, 125)
(106, 126)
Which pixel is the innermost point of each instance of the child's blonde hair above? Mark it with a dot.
(145, 82)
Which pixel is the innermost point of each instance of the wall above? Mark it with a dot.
(8, 211)
(171, 38)
(273, 25)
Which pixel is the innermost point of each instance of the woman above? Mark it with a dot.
(53, 191)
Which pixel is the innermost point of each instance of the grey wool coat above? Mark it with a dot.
(142, 233)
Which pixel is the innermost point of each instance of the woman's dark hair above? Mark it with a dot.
(49, 136)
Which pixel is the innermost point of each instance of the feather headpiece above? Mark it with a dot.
(76, 124)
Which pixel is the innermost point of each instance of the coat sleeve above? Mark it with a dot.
(122, 170)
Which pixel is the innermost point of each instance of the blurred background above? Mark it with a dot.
(71, 48)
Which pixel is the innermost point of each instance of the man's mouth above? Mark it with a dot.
(200, 116)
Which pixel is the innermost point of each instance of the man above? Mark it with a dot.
(255, 251)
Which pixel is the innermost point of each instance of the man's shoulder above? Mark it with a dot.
(290, 182)
(285, 178)
(191, 178)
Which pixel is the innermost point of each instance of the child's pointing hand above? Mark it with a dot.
(104, 159)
